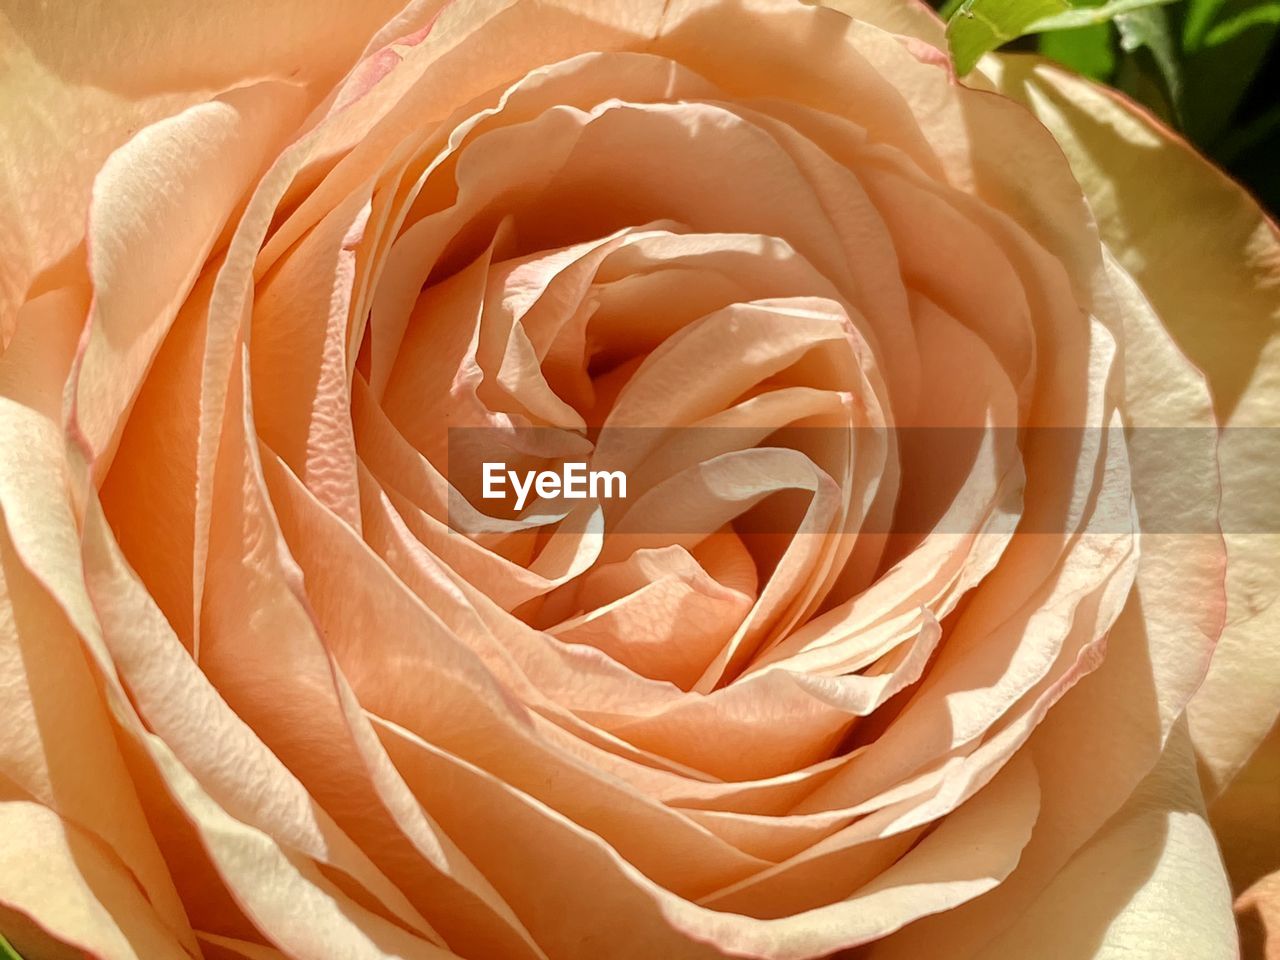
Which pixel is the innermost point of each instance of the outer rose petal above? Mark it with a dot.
(162, 199)
(1095, 745)
(1157, 856)
(912, 18)
(78, 79)
(75, 853)
(1214, 280)
(76, 888)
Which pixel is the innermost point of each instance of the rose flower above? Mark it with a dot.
(915, 634)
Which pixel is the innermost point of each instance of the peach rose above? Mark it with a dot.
(908, 633)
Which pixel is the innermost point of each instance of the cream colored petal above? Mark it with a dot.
(666, 625)
(32, 940)
(564, 151)
(1155, 656)
(692, 276)
(58, 748)
(34, 366)
(1211, 270)
(75, 889)
(40, 550)
(299, 361)
(967, 855)
(288, 896)
(1149, 883)
(251, 861)
(468, 712)
(1004, 678)
(471, 50)
(904, 99)
(419, 492)
(149, 495)
(163, 199)
(912, 18)
(255, 591)
(79, 80)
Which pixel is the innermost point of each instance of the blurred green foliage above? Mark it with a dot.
(1208, 68)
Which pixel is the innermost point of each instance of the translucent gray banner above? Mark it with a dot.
(682, 481)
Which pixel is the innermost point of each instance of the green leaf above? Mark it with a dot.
(6, 950)
(1264, 15)
(1086, 50)
(1200, 15)
(1225, 43)
(1210, 23)
(980, 26)
(1149, 29)
(1083, 16)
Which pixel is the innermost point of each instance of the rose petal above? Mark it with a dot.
(1214, 280)
(1150, 882)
